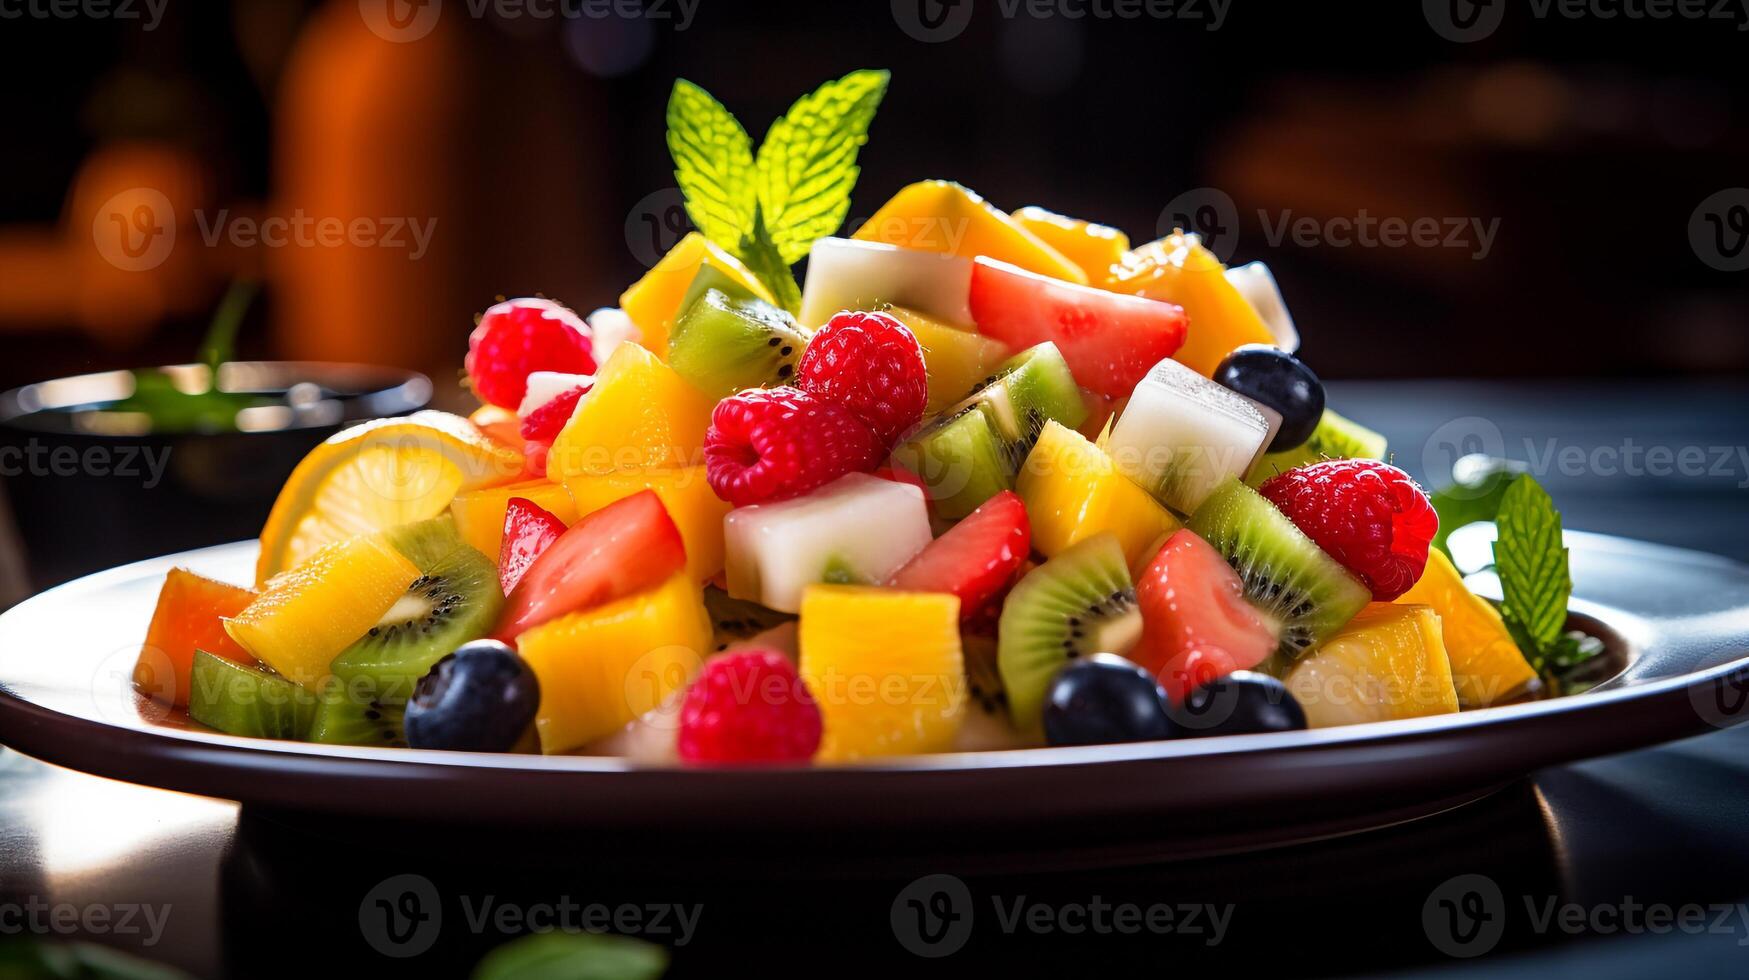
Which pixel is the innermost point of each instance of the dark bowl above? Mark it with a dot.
(91, 486)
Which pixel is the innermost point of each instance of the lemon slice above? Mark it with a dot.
(375, 476)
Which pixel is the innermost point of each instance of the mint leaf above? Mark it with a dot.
(1466, 503)
(713, 164)
(1532, 563)
(574, 956)
(807, 162)
(766, 261)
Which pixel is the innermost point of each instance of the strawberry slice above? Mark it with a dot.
(977, 560)
(622, 549)
(1196, 623)
(544, 424)
(528, 529)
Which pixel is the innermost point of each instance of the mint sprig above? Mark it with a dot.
(1536, 582)
(575, 956)
(769, 208)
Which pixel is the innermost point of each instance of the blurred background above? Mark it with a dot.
(1446, 189)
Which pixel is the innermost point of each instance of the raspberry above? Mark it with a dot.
(1369, 516)
(871, 364)
(521, 336)
(749, 706)
(546, 422)
(771, 443)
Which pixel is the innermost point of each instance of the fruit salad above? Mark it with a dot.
(981, 480)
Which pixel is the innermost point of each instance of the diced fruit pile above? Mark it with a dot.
(1014, 486)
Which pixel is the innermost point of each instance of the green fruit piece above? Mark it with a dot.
(1285, 575)
(960, 459)
(1334, 438)
(722, 344)
(738, 619)
(347, 715)
(710, 277)
(1030, 388)
(1079, 603)
(456, 599)
(243, 700)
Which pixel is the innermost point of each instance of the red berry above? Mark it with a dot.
(773, 443)
(977, 559)
(1369, 516)
(528, 529)
(872, 364)
(521, 336)
(544, 424)
(748, 706)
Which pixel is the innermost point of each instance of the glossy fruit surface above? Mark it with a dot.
(942, 216)
(872, 365)
(1093, 247)
(479, 514)
(188, 618)
(1273, 377)
(528, 531)
(481, 698)
(1110, 340)
(748, 706)
(518, 337)
(1073, 492)
(977, 559)
(687, 496)
(1389, 662)
(639, 415)
(1240, 703)
(1196, 622)
(653, 302)
(1486, 665)
(771, 444)
(1105, 699)
(1369, 516)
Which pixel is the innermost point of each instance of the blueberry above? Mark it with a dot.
(481, 698)
(1241, 703)
(1273, 377)
(1103, 699)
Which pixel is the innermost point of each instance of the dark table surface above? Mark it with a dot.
(1615, 867)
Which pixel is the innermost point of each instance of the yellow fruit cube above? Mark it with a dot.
(1388, 662)
(956, 359)
(685, 493)
(942, 216)
(1486, 666)
(886, 669)
(307, 615)
(1180, 270)
(654, 301)
(1073, 491)
(1095, 248)
(601, 668)
(640, 415)
(479, 514)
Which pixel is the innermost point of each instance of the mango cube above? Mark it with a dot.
(942, 216)
(1486, 665)
(479, 514)
(654, 301)
(1389, 662)
(1180, 270)
(640, 415)
(1073, 491)
(685, 493)
(1095, 248)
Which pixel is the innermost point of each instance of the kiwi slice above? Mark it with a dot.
(1286, 576)
(457, 598)
(1030, 388)
(710, 277)
(1080, 602)
(1334, 438)
(239, 699)
(737, 619)
(960, 459)
(722, 344)
(346, 715)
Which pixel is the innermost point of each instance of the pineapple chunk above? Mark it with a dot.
(956, 359)
(942, 216)
(886, 669)
(1073, 491)
(640, 415)
(654, 301)
(602, 667)
(1389, 662)
(1486, 666)
(307, 615)
(1180, 270)
(1095, 248)
(479, 514)
(686, 494)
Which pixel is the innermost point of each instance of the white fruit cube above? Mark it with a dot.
(857, 529)
(610, 327)
(1257, 284)
(850, 275)
(1182, 434)
(544, 386)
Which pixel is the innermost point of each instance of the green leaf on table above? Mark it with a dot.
(1531, 560)
(713, 164)
(574, 956)
(807, 162)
